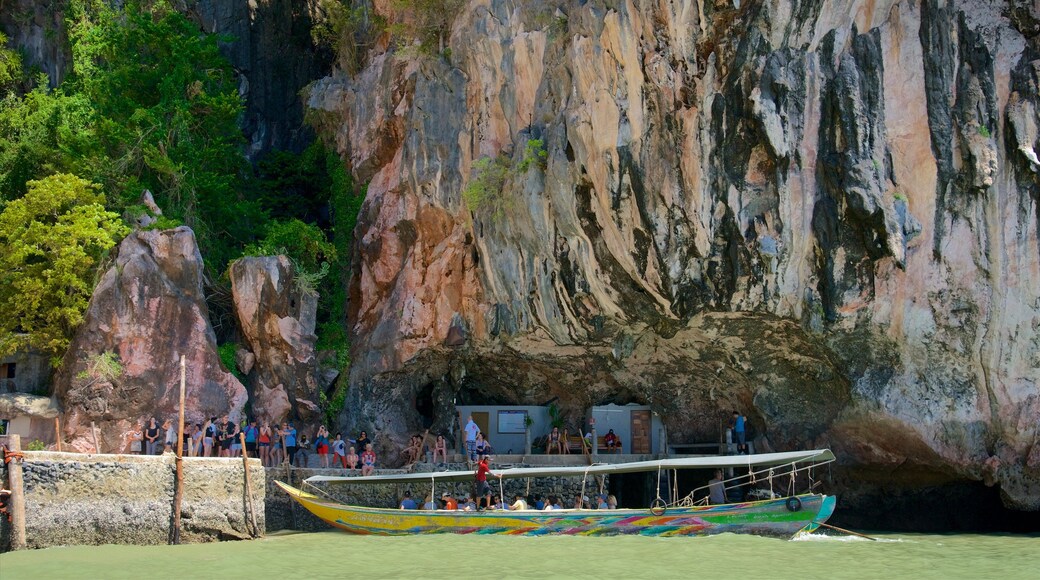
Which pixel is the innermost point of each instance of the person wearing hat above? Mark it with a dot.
(449, 502)
(483, 489)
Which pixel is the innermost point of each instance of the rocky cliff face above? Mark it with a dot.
(822, 213)
(277, 322)
(148, 309)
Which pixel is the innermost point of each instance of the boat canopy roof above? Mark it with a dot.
(708, 462)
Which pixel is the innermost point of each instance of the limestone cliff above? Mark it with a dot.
(822, 213)
(148, 309)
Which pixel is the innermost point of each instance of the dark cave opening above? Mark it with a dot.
(424, 404)
(953, 507)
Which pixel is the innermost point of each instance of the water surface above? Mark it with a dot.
(724, 557)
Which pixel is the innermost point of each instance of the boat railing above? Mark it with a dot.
(753, 477)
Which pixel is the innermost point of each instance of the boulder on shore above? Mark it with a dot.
(148, 310)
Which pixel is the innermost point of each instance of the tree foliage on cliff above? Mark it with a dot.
(51, 239)
(167, 109)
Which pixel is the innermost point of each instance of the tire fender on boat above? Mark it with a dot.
(794, 504)
(658, 507)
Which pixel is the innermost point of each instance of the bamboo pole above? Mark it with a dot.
(93, 431)
(57, 432)
(249, 486)
(16, 503)
(848, 532)
(178, 490)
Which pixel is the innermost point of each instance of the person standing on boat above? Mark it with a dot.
(739, 431)
(717, 489)
(471, 439)
(483, 489)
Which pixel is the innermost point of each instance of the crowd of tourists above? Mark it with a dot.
(273, 444)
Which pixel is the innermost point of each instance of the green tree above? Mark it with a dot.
(167, 109)
(51, 241)
(485, 190)
(42, 132)
(10, 66)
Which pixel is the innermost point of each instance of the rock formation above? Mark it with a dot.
(277, 322)
(822, 213)
(148, 310)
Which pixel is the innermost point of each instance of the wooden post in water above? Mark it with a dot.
(255, 530)
(178, 490)
(15, 503)
(93, 431)
(57, 432)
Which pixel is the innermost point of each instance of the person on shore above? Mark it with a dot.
(321, 446)
(252, 435)
(171, 436)
(740, 432)
(263, 444)
(717, 489)
(483, 447)
(471, 439)
(554, 442)
(411, 453)
(352, 459)
(136, 438)
(151, 437)
(362, 441)
(408, 503)
(224, 436)
(339, 451)
(565, 443)
(440, 448)
(289, 441)
(209, 436)
(277, 449)
(196, 440)
(611, 440)
(519, 503)
(368, 460)
(236, 440)
(303, 451)
(483, 489)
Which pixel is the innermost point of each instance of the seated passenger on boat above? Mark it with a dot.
(449, 502)
(519, 504)
(408, 503)
(468, 505)
(430, 504)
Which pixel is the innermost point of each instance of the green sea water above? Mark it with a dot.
(724, 557)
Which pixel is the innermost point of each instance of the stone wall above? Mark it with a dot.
(127, 499)
(282, 514)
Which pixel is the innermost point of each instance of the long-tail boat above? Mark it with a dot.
(782, 516)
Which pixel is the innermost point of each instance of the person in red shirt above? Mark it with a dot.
(483, 489)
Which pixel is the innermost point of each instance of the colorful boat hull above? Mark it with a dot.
(779, 517)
